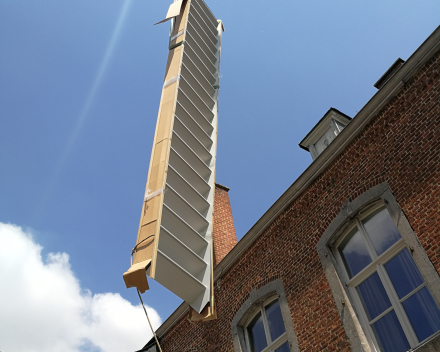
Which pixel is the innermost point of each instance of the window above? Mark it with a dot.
(263, 323)
(265, 331)
(396, 308)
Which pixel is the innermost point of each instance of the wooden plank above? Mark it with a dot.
(149, 224)
(167, 112)
(187, 218)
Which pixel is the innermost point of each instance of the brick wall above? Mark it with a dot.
(401, 146)
(223, 234)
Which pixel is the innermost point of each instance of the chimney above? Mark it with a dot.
(390, 73)
(223, 237)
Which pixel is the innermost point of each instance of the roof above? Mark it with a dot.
(224, 188)
(322, 125)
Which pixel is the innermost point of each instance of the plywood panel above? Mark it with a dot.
(179, 209)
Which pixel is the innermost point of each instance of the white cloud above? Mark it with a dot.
(44, 309)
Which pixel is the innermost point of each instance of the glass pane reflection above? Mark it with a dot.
(256, 334)
(275, 320)
(403, 273)
(381, 230)
(373, 296)
(355, 253)
(423, 313)
(283, 348)
(390, 335)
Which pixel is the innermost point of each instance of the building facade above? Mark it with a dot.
(348, 258)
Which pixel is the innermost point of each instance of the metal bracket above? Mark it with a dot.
(176, 45)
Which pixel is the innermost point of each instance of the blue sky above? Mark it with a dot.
(80, 84)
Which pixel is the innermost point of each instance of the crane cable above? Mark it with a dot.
(139, 294)
(149, 322)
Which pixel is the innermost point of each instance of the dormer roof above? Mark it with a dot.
(324, 132)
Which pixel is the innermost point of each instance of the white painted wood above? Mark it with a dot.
(271, 345)
(180, 229)
(208, 40)
(178, 280)
(377, 265)
(189, 65)
(195, 98)
(208, 37)
(200, 17)
(209, 15)
(313, 151)
(205, 93)
(192, 141)
(325, 140)
(194, 111)
(325, 131)
(188, 173)
(191, 157)
(199, 63)
(203, 136)
(184, 210)
(187, 191)
(182, 254)
(205, 57)
(398, 308)
(210, 50)
(183, 261)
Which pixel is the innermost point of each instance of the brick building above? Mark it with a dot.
(348, 258)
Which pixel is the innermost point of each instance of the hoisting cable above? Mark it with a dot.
(154, 334)
(139, 294)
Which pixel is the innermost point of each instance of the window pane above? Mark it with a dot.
(381, 230)
(390, 335)
(256, 334)
(423, 313)
(373, 296)
(403, 273)
(275, 320)
(355, 253)
(283, 348)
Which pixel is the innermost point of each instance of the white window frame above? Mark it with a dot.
(271, 345)
(249, 308)
(356, 331)
(377, 265)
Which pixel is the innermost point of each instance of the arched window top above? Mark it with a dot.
(397, 309)
(263, 323)
(384, 273)
(258, 305)
(360, 207)
(370, 235)
(265, 330)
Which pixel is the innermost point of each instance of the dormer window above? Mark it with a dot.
(325, 131)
